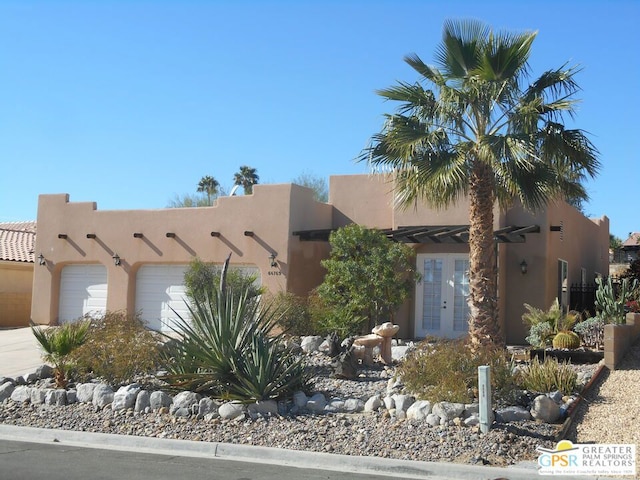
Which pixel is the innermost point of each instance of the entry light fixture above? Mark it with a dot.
(524, 267)
(41, 260)
(272, 259)
(116, 259)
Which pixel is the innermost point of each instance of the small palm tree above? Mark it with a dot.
(247, 178)
(58, 343)
(475, 131)
(209, 185)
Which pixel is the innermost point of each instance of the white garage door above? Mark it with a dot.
(83, 292)
(159, 291)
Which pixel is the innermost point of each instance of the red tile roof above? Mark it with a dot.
(17, 241)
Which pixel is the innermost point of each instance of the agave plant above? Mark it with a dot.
(227, 349)
(58, 343)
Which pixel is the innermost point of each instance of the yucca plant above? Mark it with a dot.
(58, 343)
(547, 376)
(227, 349)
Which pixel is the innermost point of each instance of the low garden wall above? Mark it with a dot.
(618, 339)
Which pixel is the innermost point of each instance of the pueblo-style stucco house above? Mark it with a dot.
(95, 260)
(17, 241)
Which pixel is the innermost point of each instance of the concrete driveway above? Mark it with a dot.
(19, 352)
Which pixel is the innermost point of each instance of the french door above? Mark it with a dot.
(441, 297)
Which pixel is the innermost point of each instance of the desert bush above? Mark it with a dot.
(202, 280)
(547, 376)
(591, 332)
(227, 349)
(58, 345)
(293, 313)
(447, 370)
(118, 348)
(546, 325)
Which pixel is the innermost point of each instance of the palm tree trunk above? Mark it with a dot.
(484, 328)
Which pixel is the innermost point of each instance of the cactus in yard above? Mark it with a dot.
(610, 306)
(566, 339)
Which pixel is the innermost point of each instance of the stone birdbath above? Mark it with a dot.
(386, 331)
(364, 346)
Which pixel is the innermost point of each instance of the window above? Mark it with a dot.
(563, 283)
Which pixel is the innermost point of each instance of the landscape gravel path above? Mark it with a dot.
(610, 412)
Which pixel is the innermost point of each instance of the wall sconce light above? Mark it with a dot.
(171, 235)
(41, 260)
(272, 259)
(524, 267)
(137, 235)
(116, 259)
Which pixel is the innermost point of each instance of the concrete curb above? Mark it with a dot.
(270, 455)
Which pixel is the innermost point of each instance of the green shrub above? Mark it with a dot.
(368, 277)
(547, 376)
(227, 350)
(118, 348)
(58, 344)
(544, 326)
(447, 370)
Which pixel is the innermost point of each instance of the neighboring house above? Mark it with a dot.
(134, 260)
(17, 241)
(631, 247)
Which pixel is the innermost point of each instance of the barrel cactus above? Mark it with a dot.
(566, 339)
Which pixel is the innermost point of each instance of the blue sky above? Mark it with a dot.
(128, 103)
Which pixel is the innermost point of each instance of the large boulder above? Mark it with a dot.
(207, 408)
(353, 405)
(185, 404)
(545, 409)
(419, 410)
(373, 404)
(102, 395)
(402, 402)
(6, 389)
(85, 392)
(448, 410)
(311, 343)
(316, 403)
(231, 410)
(143, 404)
(21, 393)
(56, 397)
(159, 400)
(512, 414)
(44, 371)
(38, 395)
(125, 397)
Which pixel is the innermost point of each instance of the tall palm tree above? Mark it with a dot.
(247, 178)
(209, 185)
(480, 129)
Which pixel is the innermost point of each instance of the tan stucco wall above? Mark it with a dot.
(583, 243)
(271, 213)
(16, 281)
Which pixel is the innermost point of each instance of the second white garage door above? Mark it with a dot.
(159, 291)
